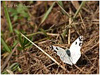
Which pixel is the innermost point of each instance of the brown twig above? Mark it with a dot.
(51, 65)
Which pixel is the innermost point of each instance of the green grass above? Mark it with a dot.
(14, 67)
(7, 17)
(19, 12)
(23, 42)
(7, 48)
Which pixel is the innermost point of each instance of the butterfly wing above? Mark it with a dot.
(75, 49)
(62, 54)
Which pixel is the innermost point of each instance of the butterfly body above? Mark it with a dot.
(72, 55)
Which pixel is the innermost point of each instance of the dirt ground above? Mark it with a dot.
(32, 60)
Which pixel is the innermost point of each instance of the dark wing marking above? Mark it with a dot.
(76, 43)
(80, 44)
(56, 48)
(68, 53)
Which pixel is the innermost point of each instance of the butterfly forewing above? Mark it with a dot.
(75, 49)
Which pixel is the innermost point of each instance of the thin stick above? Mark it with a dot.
(69, 37)
(69, 29)
(51, 65)
(44, 52)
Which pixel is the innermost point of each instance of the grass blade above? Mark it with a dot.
(63, 10)
(5, 45)
(47, 13)
(7, 17)
(60, 3)
(82, 4)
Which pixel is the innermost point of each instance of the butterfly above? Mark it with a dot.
(71, 55)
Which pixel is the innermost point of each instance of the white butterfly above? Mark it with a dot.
(71, 55)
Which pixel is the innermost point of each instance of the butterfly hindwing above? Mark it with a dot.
(62, 54)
